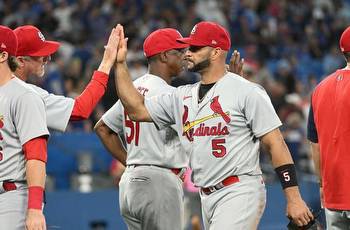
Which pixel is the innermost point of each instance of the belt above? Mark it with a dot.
(226, 182)
(180, 172)
(6, 186)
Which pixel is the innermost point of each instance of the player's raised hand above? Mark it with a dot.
(110, 53)
(122, 48)
(298, 211)
(236, 63)
(35, 220)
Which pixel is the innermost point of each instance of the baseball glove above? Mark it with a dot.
(312, 225)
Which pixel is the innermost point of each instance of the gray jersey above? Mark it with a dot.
(146, 144)
(23, 117)
(222, 130)
(58, 109)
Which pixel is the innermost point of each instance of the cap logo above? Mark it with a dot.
(194, 29)
(213, 42)
(3, 46)
(41, 36)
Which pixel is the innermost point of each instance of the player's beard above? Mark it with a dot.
(199, 67)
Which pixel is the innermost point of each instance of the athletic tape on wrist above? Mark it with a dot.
(35, 197)
(287, 175)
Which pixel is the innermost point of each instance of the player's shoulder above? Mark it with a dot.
(337, 75)
(187, 88)
(239, 83)
(21, 91)
(153, 84)
(21, 87)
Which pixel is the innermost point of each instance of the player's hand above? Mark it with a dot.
(122, 48)
(236, 63)
(35, 220)
(298, 211)
(110, 53)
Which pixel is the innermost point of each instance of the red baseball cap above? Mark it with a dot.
(162, 40)
(208, 34)
(31, 42)
(8, 40)
(345, 40)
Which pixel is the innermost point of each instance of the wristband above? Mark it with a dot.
(35, 197)
(287, 175)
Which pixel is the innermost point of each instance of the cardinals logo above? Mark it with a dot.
(217, 130)
(186, 123)
(216, 107)
(1, 121)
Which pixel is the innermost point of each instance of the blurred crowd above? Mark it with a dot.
(288, 45)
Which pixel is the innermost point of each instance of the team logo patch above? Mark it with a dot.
(1, 121)
(217, 130)
(41, 36)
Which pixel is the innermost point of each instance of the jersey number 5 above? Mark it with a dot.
(134, 130)
(218, 148)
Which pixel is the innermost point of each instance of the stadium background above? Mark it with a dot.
(288, 47)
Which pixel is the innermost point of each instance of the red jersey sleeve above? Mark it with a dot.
(88, 99)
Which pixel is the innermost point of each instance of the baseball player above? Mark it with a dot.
(151, 194)
(223, 119)
(23, 149)
(34, 53)
(328, 131)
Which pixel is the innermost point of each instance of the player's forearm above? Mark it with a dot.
(105, 66)
(36, 173)
(132, 100)
(111, 141)
(86, 102)
(292, 194)
(274, 143)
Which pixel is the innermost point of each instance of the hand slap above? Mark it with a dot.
(122, 48)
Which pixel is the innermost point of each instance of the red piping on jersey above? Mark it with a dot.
(88, 99)
(36, 149)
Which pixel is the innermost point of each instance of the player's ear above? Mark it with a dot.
(3, 56)
(163, 56)
(216, 53)
(20, 61)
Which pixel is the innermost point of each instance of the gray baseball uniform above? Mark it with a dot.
(151, 195)
(23, 118)
(222, 132)
(58, 109)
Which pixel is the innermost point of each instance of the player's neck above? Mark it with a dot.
(6, 75)
(163, 73)
(20, 74)
(213, 74)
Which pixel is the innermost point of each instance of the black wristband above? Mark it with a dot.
(287, 175)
